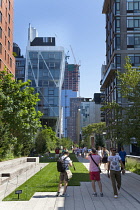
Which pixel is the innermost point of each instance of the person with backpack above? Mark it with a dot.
(63, 166)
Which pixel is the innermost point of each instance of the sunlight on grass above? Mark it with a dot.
(46, 180)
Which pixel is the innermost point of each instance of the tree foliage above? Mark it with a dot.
(125, 123)
(92, 129)
(19, 119)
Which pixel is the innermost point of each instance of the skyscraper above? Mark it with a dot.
(122, 39)
(6, 36)
(45, 64)
(70, 89)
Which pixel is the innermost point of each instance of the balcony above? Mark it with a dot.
(108, 74)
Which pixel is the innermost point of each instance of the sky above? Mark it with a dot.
(76, 23)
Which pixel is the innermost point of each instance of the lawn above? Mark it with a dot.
(47, 179)
(133, 165)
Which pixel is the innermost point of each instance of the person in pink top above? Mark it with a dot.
(94, 171)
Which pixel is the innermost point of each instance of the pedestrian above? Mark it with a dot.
(105, 154)
(114, 162)
(63, 175)
(57, 151)
(94, 171)
(122, 154)
(99, 152)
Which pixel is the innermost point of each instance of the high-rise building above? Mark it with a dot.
(20, 63)
(45, 65)
(122, 39)
(70, 89)
(6, 36)
(90, 112)
(73, 121)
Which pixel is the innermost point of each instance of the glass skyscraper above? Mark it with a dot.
(45, 64)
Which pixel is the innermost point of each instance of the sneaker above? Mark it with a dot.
(101, 194)
(65, 195)
(57, 194)
(115, 196)
(94, 194)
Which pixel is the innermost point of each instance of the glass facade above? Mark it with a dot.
(44, 72)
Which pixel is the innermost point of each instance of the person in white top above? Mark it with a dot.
(114, 162)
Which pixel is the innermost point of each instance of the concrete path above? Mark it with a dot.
(81, 196)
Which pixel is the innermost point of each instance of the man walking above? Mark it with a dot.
(63, 175)
(114, 162)
(122, 154)
(94, 171)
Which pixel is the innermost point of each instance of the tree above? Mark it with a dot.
(19, 119)
(124, 123)
(45, 140)
(95, 128)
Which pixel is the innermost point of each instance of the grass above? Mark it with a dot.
(133, 166)
(47, 179)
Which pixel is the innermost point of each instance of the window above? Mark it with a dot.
(0, 3)
(118, 60)
(0, 32)
(0, 17)
(10, 62)
(5, 54)
(133, 6)
(0, 48)
(135, 59)
(9, 32)
(0, 63)
(51, 55)
(9, 5)
(9, 18)
(133, 41)
(8, 45)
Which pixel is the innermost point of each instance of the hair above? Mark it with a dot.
(94, 150)
(66, 153)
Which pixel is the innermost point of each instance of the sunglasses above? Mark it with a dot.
(114, 150)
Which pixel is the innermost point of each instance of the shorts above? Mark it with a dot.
(94, 175)
(63, 176)
(104, 160)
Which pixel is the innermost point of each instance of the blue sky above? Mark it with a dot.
(76, 23)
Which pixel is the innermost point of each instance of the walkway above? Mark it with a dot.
(81, 197)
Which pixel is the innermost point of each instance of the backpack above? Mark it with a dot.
(60, 165)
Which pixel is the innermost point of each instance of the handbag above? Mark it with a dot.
(69, 174)
(96, 164)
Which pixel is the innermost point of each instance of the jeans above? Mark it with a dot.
(116, 180)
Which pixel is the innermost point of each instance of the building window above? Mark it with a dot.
(8, 45)
(51, 55)
(117, 24)
(5, 54)
(0, 32)
(133, 6)
(118, 60)
(0, 48)
(5, 26)
(9, 18)
(0, 17)
(117, 7)
(10, 62)
(0, 3)
(135, 59)
(9, 4)
(9, 32)
(133, 41)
